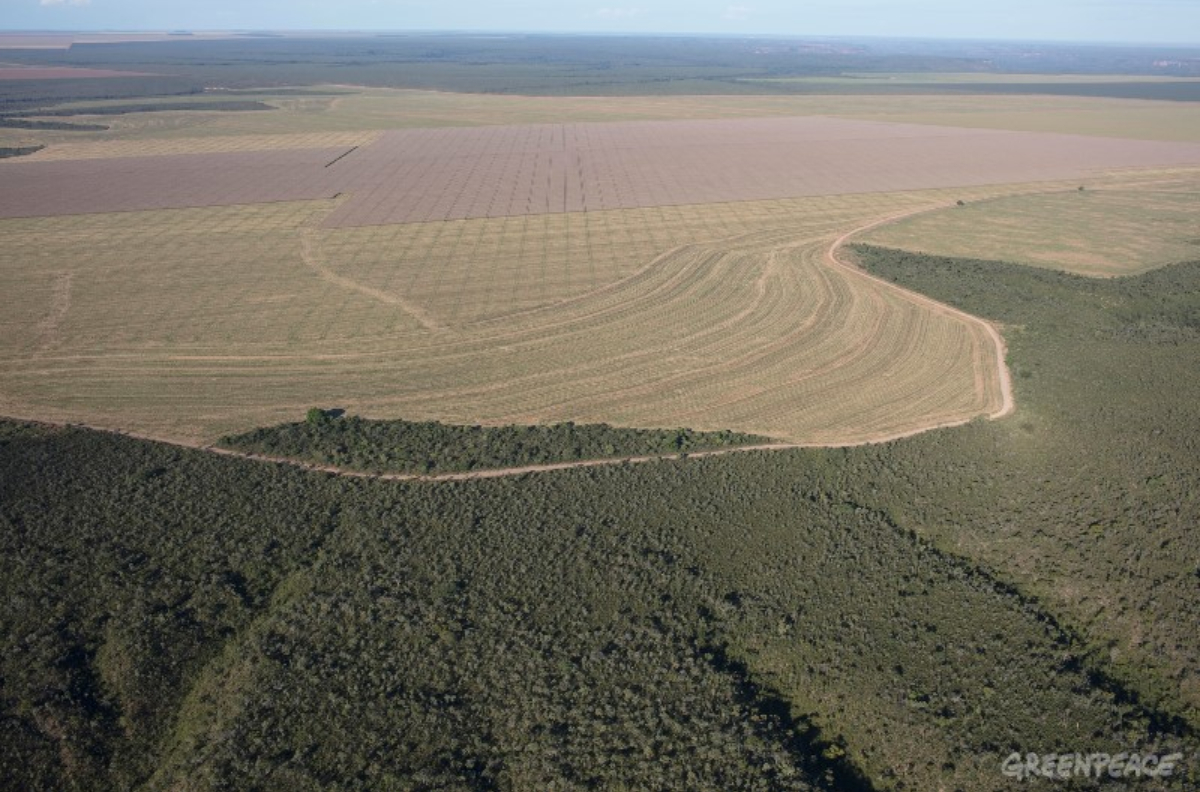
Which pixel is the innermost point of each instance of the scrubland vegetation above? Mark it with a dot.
(353, 443)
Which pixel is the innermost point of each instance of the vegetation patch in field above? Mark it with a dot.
(354, 443)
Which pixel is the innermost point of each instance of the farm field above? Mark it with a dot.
(448, 174)
(1106, 232)
(641, 273)
(722, 317)
(347, 109)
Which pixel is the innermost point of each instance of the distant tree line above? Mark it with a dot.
(18, 151)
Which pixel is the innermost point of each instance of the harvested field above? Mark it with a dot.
(243, 325)
(1099, 232)
(445, 174)
(420, 175)
(1114, 118)
(40, 189)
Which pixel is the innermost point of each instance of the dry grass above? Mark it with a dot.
(190, 323)
(1114, 230)
(1117, 118)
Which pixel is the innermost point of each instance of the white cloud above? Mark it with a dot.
(737, 13)
(65, 2)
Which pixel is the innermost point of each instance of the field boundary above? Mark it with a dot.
(311, 257)
(1008, 405)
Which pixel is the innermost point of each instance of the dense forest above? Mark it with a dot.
(897, 616)
(327, 438)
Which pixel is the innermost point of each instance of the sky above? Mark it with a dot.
(1176, 21)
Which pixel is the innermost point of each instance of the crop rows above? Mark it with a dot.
(39, 189)
(713, 316)
(442, 174)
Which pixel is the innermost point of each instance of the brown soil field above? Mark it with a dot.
(47, 189)
(458, 173)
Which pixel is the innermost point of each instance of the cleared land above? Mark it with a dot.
(41, 189)
(346, 109)
(1100, 232)
(673, 300)
(246, 323)
(355, 109)
(447, 174)
(421, 175)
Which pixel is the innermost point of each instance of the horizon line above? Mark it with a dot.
(266, 32)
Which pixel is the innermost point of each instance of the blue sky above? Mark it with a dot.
(1061, 20)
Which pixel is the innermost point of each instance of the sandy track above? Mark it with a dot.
(1007, 404)
(310, 256)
